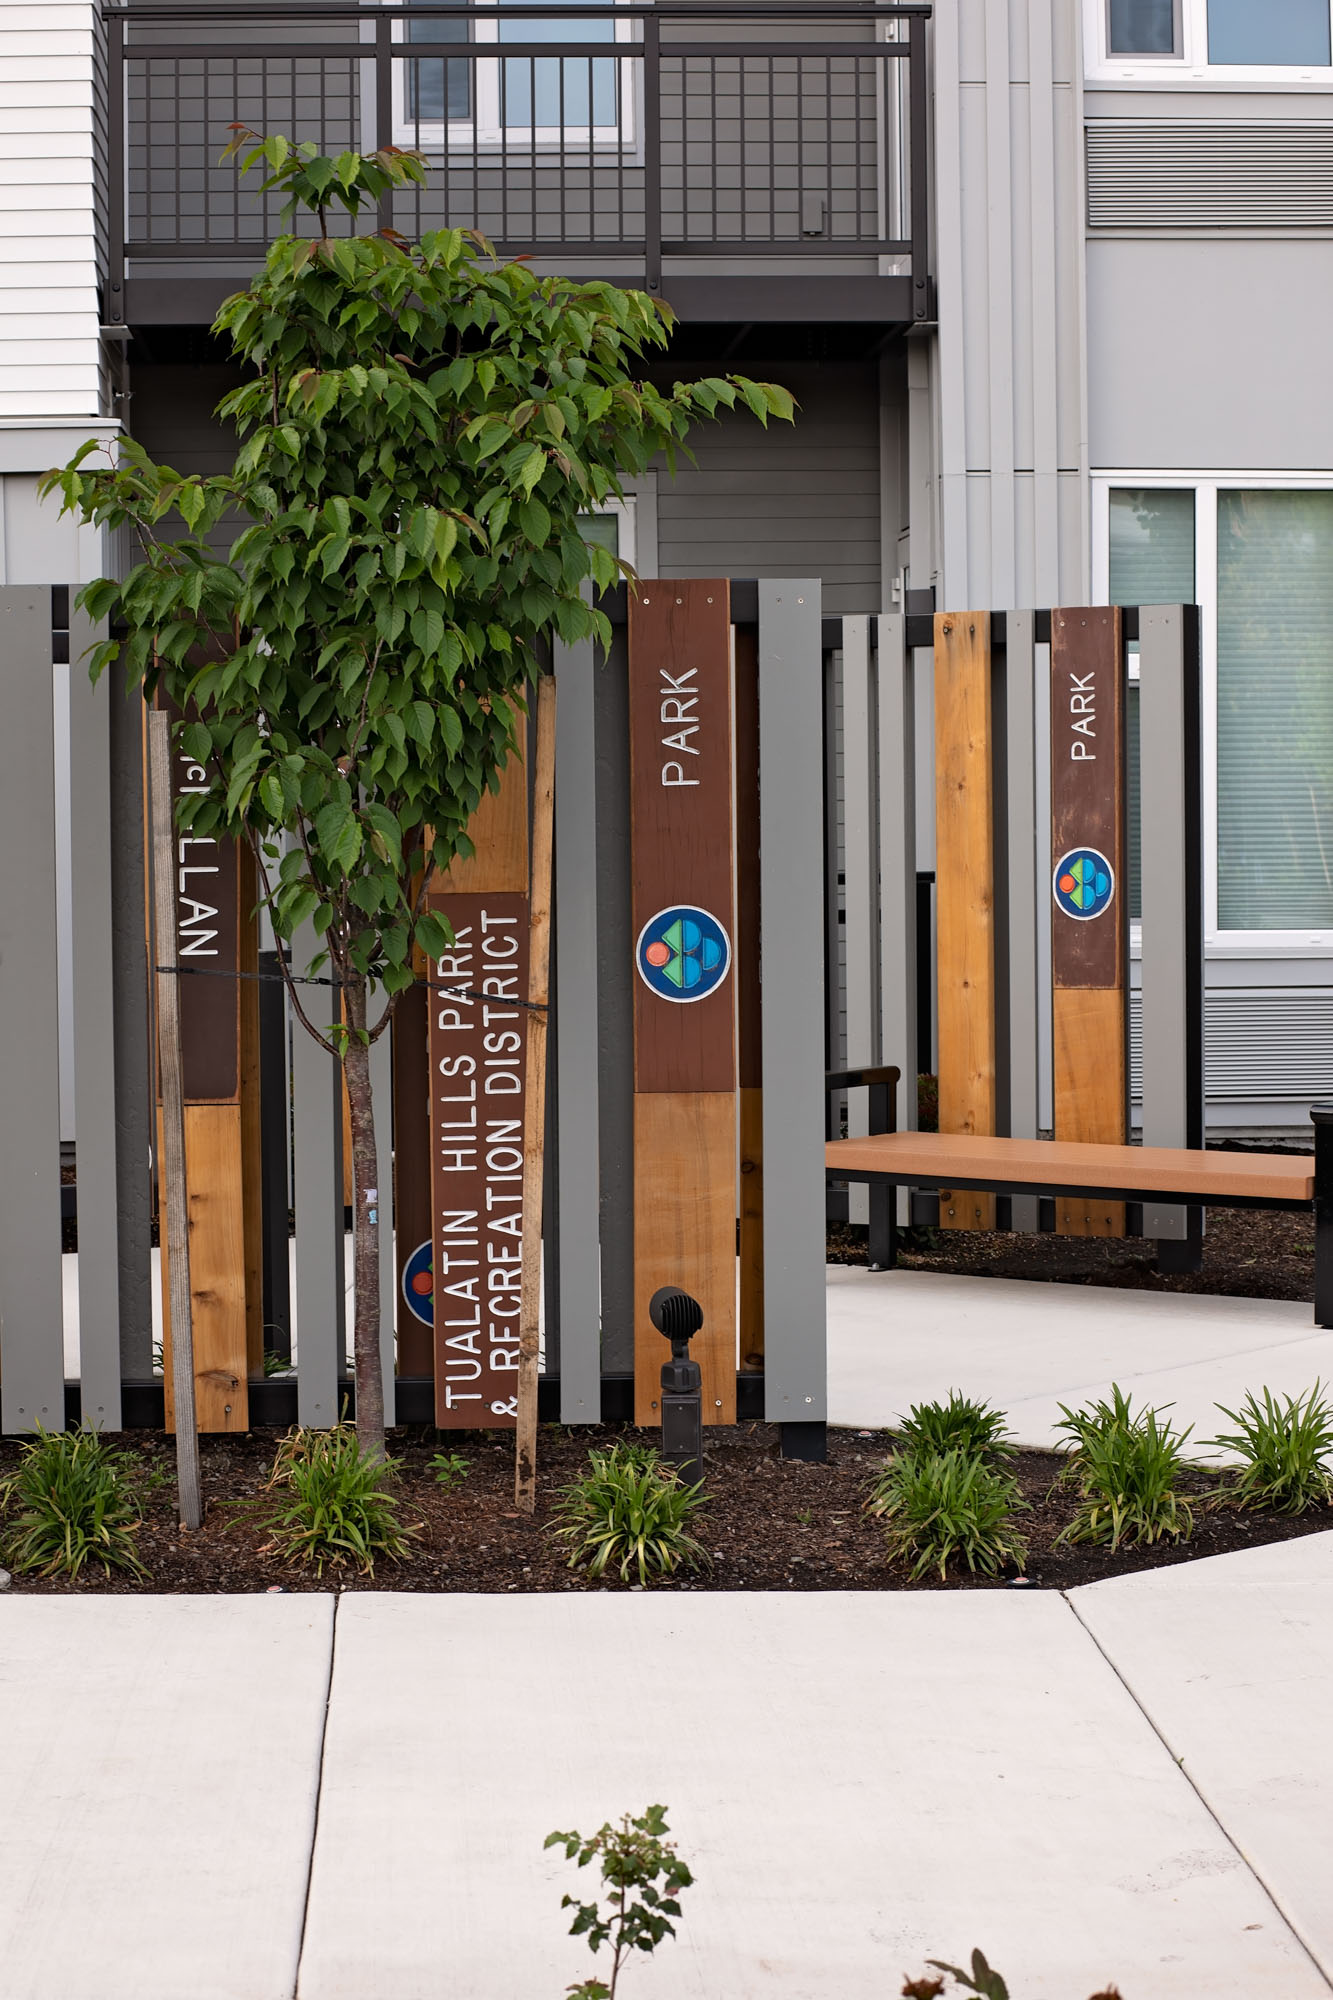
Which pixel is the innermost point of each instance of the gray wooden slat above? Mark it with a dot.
(32, 1355)
(791, 861)
(1021, 898)
(896, 749)
(1170, 952)
(132, 1030)
(577, 1020)
(94, 1034)
(860, 883)
(317, 1180)
(381, 1084)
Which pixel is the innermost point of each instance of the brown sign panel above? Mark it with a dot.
(1088, 928)
(681, 785)
(477, 1043)
(209, 919)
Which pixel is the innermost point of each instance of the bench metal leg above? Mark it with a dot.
(1183, 1253)
(1323, 1215)
(883, 1243)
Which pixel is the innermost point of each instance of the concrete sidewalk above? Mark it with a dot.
(1131, 1784)
(898, 1337)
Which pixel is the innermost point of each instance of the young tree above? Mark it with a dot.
(421, 429)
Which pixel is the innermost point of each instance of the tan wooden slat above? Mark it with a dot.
(213, 1153)
(685, 1234)
(1089, 1089)
(1055, 1163)
(964, 894)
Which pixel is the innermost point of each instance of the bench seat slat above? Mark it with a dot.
(955, 1159)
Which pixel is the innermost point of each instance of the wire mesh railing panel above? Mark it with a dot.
(179, 115)
(619, 131)
(770, 149)
(529, 149)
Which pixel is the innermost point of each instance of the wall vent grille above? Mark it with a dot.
(1261, 1045)
(1187, 174)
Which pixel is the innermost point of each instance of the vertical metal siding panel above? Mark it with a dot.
(94, 1032)
(1042, 586)
(577, 1164)
(791, 864)
(951, 553)
(860, 879)
(381, 1083)
(318, 1199)
(32, 1356)
(1005, 181)
(1172, 934)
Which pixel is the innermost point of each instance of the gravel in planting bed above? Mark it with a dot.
(772, 1524)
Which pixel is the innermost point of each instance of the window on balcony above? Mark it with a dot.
(555, 101)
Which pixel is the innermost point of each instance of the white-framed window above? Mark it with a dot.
(1262, 562)
(614, 527)
(518, 102)
(1271, 42)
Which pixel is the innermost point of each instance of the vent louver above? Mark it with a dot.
(1261, 1045)
(1186, 174)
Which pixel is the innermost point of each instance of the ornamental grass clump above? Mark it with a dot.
(1284, 1449)
(962, 1424)
(949, 1507)
(631, 1513)
(329, 1501)
(73, 1500)
(1126, 1470)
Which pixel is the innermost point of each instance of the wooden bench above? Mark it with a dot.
(887, 1159)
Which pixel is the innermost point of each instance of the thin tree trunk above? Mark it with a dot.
(365, 1225)
(534, 1121)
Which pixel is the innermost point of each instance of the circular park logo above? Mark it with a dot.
(683, 953)
(419, 1283)
(1083, 883)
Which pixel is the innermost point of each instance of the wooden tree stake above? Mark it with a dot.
(534, 1106)
(176, 1222)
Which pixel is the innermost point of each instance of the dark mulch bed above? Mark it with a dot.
(1247, 1253)
(773, 1524)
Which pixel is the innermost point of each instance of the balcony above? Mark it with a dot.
(749, 163)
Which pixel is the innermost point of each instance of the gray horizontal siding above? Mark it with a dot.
(799, 500)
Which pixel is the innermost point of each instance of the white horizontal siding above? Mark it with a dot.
(49, 348)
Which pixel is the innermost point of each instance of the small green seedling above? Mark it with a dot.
(642, 1875)
(450, 1469)
(983, 1980)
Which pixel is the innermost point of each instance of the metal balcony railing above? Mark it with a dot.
(629, 139)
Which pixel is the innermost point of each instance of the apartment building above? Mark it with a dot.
(1048, 278)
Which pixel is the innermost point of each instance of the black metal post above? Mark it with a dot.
(1322, 1116)
(678, 1318)
(918, 142)
(882, 1247)
(384, 108)
(652, 153)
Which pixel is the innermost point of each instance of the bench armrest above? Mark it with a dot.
(883, 1084)
(852, 1079)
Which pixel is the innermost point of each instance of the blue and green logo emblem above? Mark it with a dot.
(419, 1283)
(1083, 883)
(683, 953)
